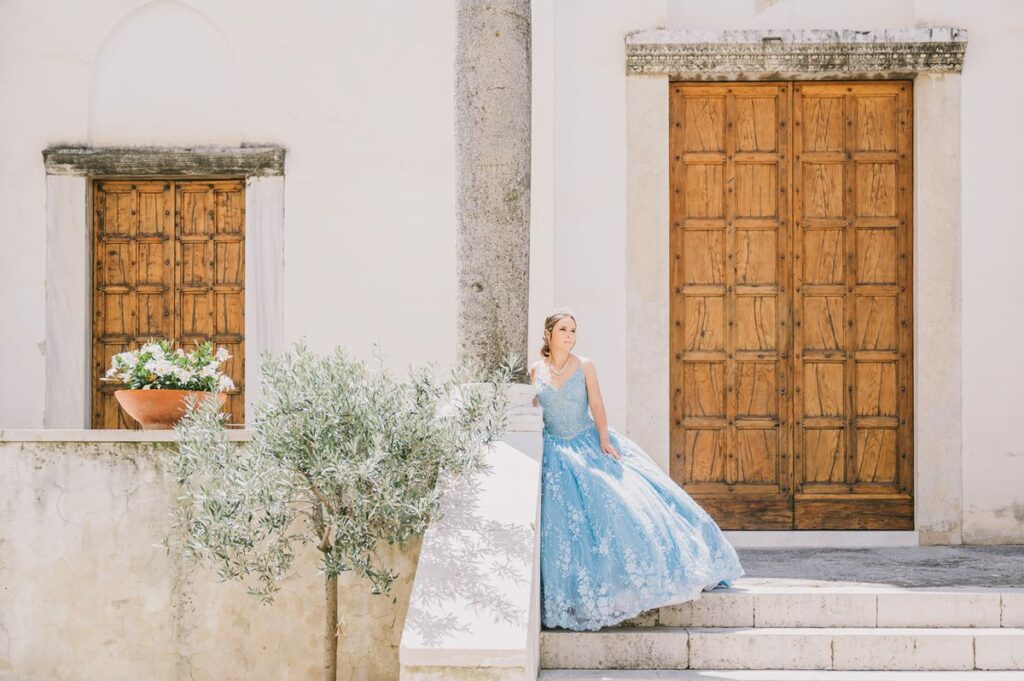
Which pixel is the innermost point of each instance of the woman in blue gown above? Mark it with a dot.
(618, 536)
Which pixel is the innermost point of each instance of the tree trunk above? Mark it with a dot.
(492, 179)
(331, 629)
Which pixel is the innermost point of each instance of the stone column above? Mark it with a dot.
(492, 176)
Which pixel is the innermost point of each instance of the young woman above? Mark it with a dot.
(618, 536)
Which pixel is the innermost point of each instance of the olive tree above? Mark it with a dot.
(343, 456)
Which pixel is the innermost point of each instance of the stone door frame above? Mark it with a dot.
(933, 58)
(69, 172)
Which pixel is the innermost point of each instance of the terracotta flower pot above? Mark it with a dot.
(157, 409)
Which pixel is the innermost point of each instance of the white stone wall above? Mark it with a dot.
(359, 93)
(88, 593)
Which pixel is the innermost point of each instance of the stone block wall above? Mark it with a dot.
(87, 591)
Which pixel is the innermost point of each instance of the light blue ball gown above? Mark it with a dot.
(618, 537)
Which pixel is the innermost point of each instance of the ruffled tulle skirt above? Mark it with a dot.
(619, 537)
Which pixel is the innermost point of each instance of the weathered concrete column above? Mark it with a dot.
(492, 175)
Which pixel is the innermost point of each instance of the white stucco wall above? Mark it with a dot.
(590, 179)
(359, 93)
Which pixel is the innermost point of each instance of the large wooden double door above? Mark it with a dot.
(791, 320)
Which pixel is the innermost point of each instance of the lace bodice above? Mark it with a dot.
(566, 411)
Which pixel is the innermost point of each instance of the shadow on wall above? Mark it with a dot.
(471, 558)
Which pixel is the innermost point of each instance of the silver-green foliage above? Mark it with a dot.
(343, 455)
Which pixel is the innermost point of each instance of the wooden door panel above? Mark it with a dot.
(757, 456)
(756, 190)
(705, 122)
(876, 121)
(876, 189)
(823, 256)
(822, 123)
(876, 455)
(757, 122)
(823, 324)
(703, 258)
(756, 391)
(822, 190)
(729, 210)
(851, 306)
(876, 256)
(876, 323)
(756, 326)
(876, 388)
(705, 455)
(169, 262)
(704, 319)
(755, 261)
(703, 187)
(705, 389)
(824, 455)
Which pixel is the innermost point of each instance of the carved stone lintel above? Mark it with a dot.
(254, 161)
(756, 54)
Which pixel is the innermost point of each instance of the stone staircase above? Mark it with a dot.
(764, 629)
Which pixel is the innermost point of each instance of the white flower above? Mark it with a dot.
(225, 383)
(129, 358)
(209, 370)
(222, 354)
(161, 367)
(153, 349)
(184, 375)
(179, 352)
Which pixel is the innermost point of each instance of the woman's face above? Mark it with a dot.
(563, 336)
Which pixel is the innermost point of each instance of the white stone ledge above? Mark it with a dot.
(474, 608)
(101, 435)
(522, 420)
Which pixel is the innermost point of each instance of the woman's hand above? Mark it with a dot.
(607, 448)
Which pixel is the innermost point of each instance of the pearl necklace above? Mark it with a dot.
(558, 372)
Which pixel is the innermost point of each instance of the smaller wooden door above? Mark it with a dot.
(169, 261)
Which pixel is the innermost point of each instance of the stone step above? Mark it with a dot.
(773, 605)
(909, 649)
(770, 675)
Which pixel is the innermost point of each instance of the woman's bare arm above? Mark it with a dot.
(597, 409)
(533, 381)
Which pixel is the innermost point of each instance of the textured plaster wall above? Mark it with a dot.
(86, 592)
